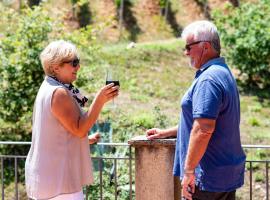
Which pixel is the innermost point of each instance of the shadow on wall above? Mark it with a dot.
(129, 21)
(170, 18)
(204, 8)
(84, 15)
(32, 3)
(235, 3)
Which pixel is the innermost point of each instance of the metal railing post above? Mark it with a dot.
(130, 173)
(100, 178)
(2, 178)
(16, 178)
(115, 179)
(267, 180)
(250, 180)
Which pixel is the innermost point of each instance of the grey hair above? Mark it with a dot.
(203, 31)
(56, 53)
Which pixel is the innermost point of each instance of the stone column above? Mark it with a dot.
(153, 169)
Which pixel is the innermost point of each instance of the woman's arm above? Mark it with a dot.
(68, 113)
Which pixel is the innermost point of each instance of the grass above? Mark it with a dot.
(151, 74)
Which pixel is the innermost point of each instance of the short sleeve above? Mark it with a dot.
(206, 100)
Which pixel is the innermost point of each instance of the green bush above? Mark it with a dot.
(21, 72)
(82, 11)
(20, 77)
(162, 3)
(253, 121)
(144, 120)
(245, 34)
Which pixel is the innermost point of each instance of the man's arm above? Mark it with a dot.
(199, 138)
(156, 133)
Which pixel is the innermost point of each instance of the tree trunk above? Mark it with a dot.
(235, 3)
(32, 3)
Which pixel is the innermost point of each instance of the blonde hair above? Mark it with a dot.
(56, 53)
(203, 31)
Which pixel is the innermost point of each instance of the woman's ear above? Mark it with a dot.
(55, 69)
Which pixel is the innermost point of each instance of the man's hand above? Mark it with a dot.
(188, 186)
(94, 138)
(155, 133)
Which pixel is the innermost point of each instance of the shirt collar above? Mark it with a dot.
(214, 61)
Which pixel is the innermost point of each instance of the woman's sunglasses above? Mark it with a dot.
(74, 63)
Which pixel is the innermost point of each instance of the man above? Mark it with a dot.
(208, 158)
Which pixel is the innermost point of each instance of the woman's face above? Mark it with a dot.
(67, 72)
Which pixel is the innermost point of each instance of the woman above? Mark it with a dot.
(58, 164)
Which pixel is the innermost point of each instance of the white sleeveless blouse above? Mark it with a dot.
(58, 162)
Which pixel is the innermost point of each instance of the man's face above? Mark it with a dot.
(195, 51)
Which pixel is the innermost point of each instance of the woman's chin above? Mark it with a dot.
(74, 77)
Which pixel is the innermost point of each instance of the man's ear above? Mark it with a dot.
(207, 45)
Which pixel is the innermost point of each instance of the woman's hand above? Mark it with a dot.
(94, 138)
(107, 93)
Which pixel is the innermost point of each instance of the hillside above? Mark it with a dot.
(143, 20)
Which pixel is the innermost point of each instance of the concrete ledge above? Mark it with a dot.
(143, 141)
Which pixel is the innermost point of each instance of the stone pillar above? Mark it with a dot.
(153, 169)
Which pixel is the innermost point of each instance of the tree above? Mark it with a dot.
(245, 34)
(235, 3)
(32, 3)
(21, 72)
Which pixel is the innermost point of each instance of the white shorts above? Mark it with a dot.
(72, 196)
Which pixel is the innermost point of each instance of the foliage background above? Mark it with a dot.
(245, 34)
(153, 75)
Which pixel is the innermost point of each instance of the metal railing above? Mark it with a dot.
(10, 163)
(113, 171)
(254, 166)
(14, 163)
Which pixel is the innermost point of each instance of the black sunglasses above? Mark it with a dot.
(188, 46)
(74, 63)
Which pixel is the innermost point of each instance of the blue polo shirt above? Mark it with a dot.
(213, 95)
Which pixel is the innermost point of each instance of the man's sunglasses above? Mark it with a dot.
(188, 46)
(74, 63)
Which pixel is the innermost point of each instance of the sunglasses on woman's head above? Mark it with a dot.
(74, 63)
